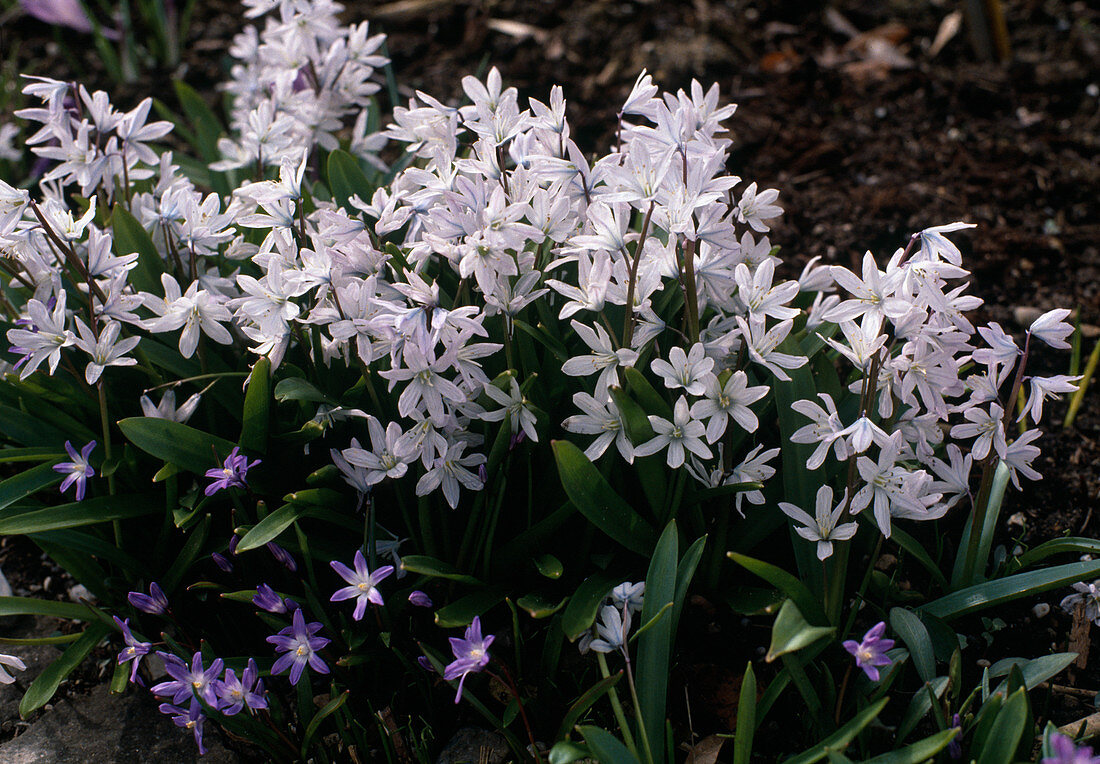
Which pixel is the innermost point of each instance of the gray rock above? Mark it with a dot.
(112, 729)
(471, 745)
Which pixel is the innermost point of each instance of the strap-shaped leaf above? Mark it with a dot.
(1009, 588)
(131, 237)
(346, 178)
(27, 482)
(76, 514)
(257, 408)
(191, 449)
(915, 636)
(808, 605)
(840, 739)
(31, 606)
(1000, 746)
(791, 632)
(596, 499)
(746, 718)
(45, 685)
(433, 568)
(607, 748)
(583, 606)
(587, 699)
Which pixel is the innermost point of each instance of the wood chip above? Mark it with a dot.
(518, 30)
(949, 27)
(1079, 636)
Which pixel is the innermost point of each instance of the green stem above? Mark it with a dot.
(105, 423)
(617, 707)
(638, 709)
(628, 325)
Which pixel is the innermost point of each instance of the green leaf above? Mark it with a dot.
(1066, 545)
(544, 337)
(29, 606)
(606, 747)
(326, 711)
(587, 699)
(746, 718)
(840, 739)
(208, 128)
(257, 409)
(21, 427)
(985, 538)
(188, 554)
(791, 632)
(799, 484)
(685, 571)
(566, 752)
(27, 482)
(549, 566)
(916, 550)
(88, 512)
(298, 389)
(584, 605)
(1009, 588)
(37, 454)
(462, 611)
(44, 687)
(433, 568)
(131, 237)
(649, 469)
(654, 660)
(651, 400)
(596, 500)
(1035, 671)
(346, 178)
(808, 605)
(191, 449)
(920, 751)
(1000, 747)
(915, 636)
(272, 526)
(919, 706)
(538, 606)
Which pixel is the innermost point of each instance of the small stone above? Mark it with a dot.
(1019, 519)
(473, 744)
(1041, 610)
(80, 592)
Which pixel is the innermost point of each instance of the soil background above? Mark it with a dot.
(869, 126)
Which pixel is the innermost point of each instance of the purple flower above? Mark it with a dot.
(268, 599)
(362, 584)
(154, 603)
(282, 556)
(1066, 752)
(299, 647)
(870, 654)
(65, 13)
(222, 562)
(191, 719)
(420, 599)
(425, 664)
(236, 694)
(954, 748)
(471, 655)
(134, 650)
(78, 470)
(232, 474)
(188, 682)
